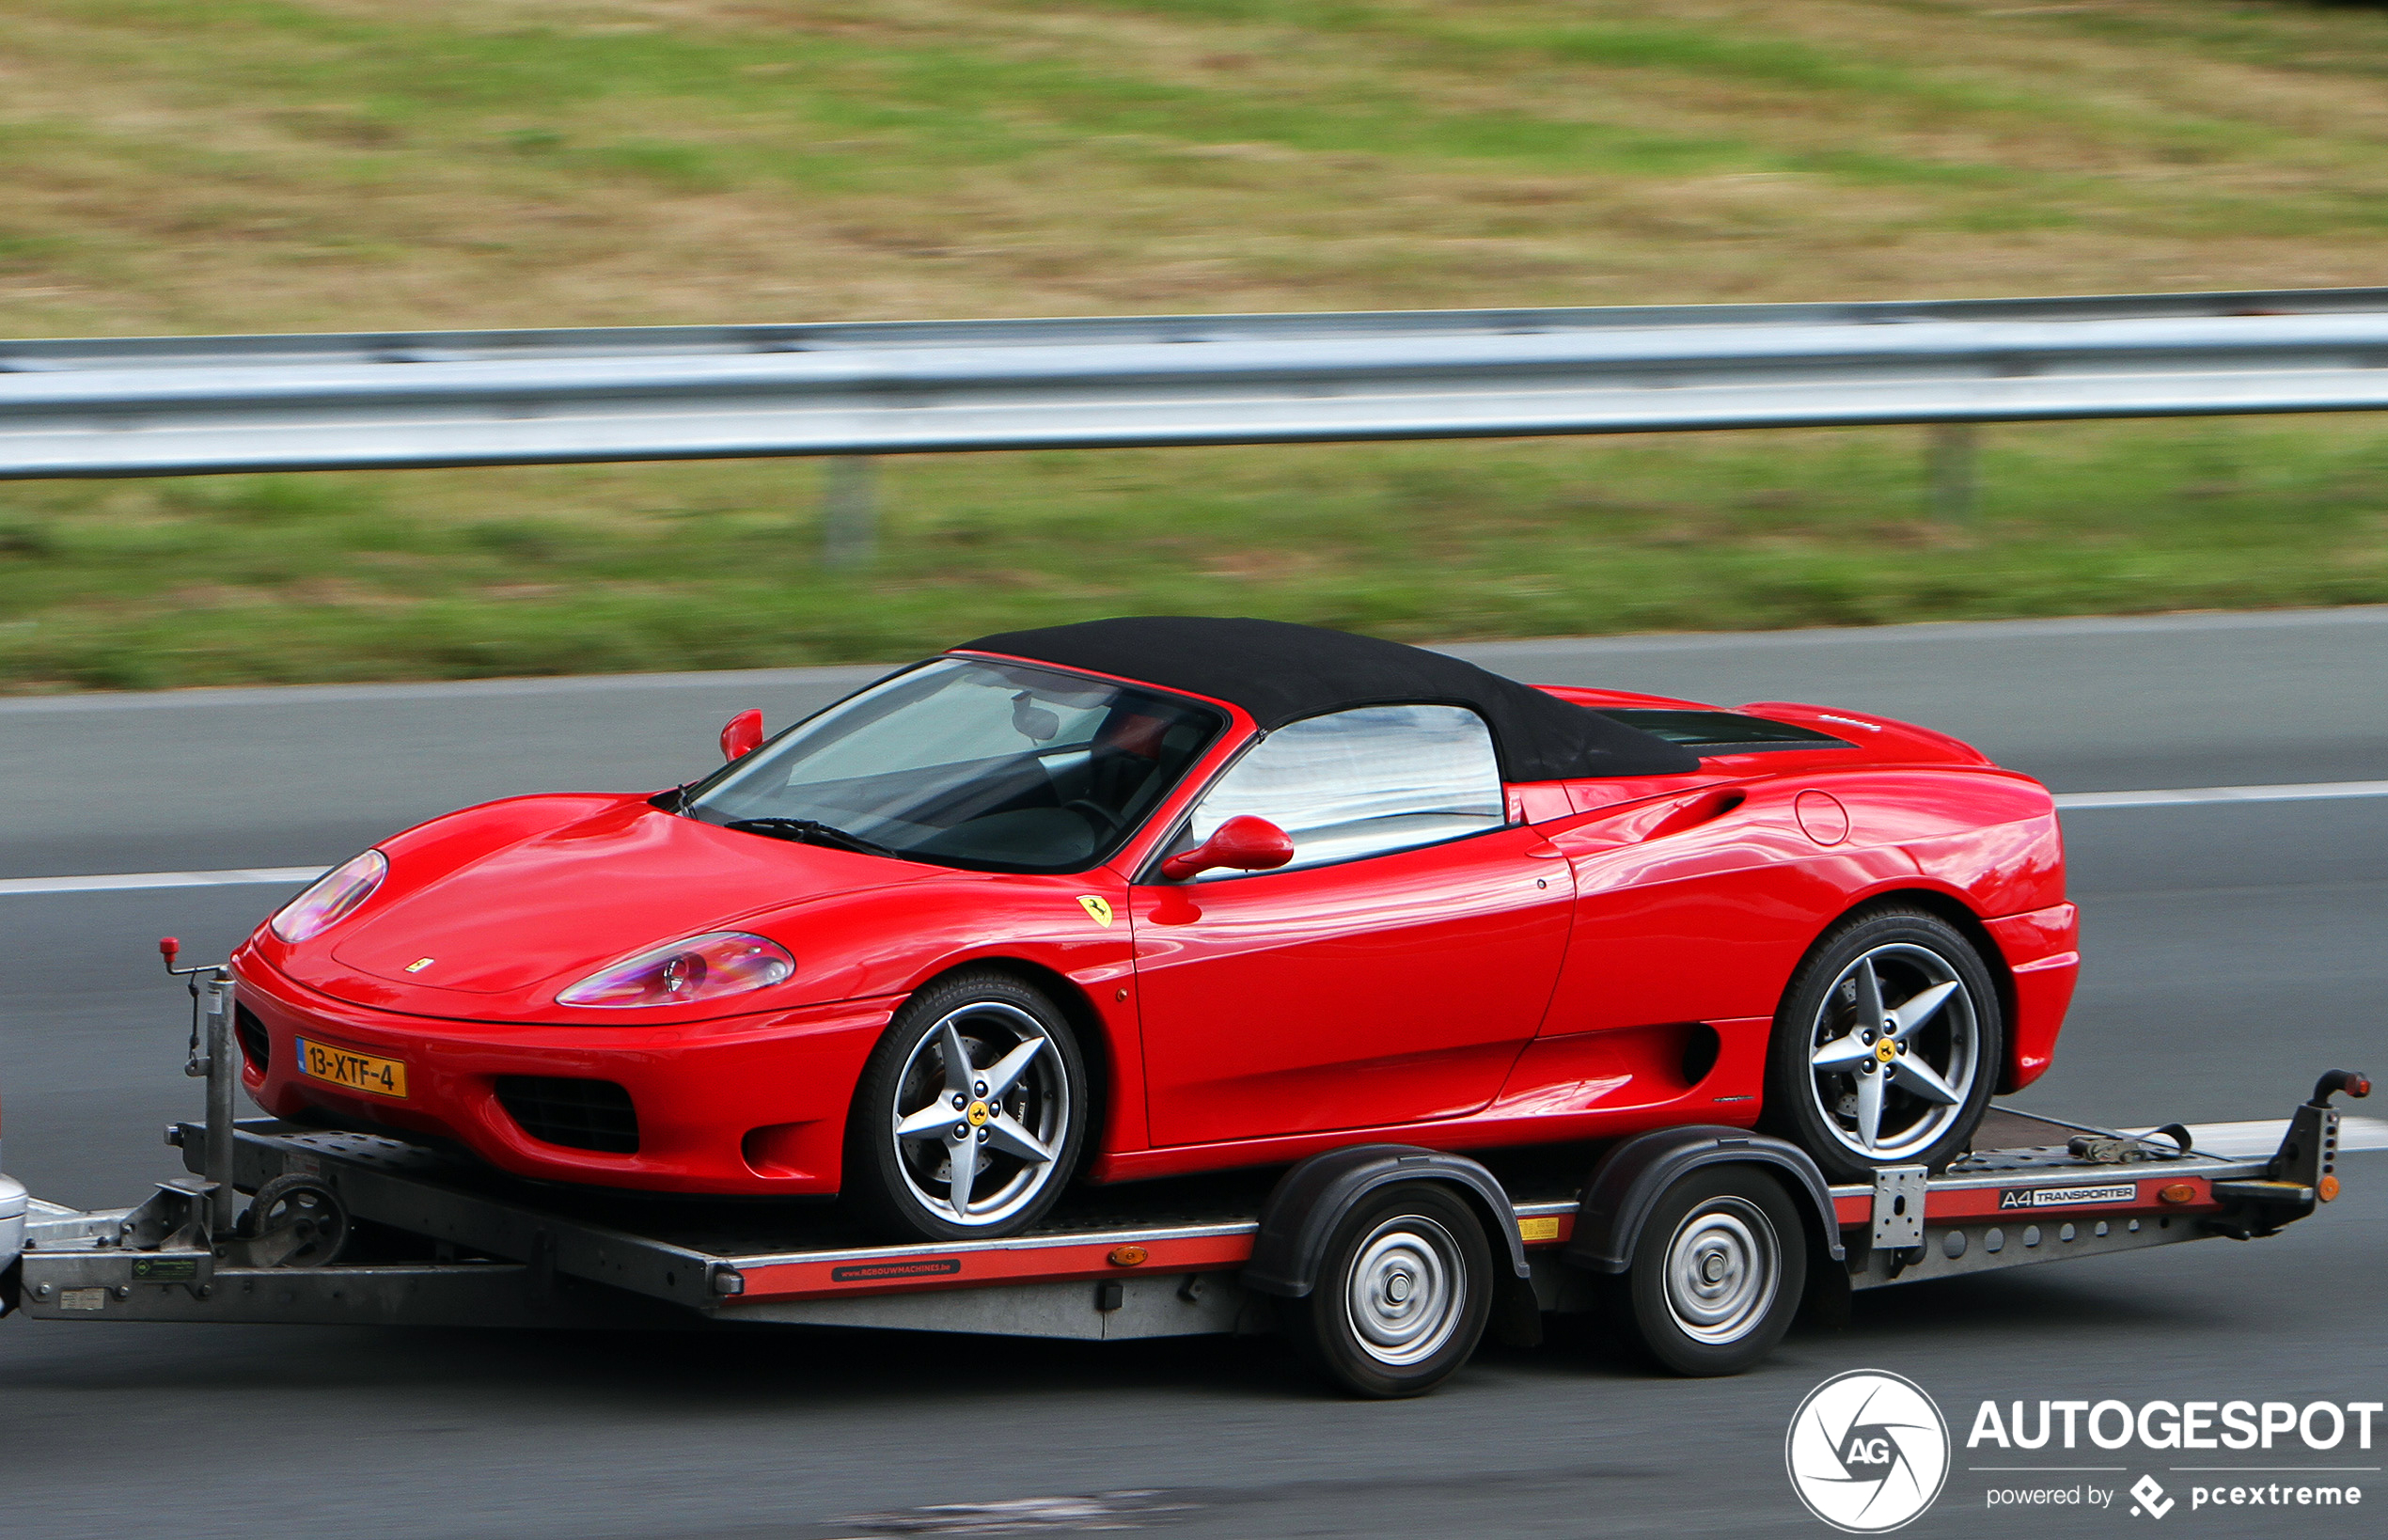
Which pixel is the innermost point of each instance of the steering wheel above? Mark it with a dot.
(1106, 821)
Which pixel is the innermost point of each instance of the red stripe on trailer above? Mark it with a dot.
(854, 1276)
(2072, 1197)
(1943, 1205)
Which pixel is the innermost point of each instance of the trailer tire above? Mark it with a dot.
(1404, 1291)
(295, 1221)
(1717, 1274)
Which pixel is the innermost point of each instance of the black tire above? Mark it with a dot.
(1402, 1295)
(294, 1221)
(1961, 1045)
(901, 1187)
(1717, 1273)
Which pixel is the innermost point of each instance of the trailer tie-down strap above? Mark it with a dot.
(2122, 1149)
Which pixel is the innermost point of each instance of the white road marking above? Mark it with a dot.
(2246, 1140)
(2316, 791)
(2066, 801)
(119, 881)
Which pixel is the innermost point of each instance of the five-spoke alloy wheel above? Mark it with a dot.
(1887, 1045)
(971, 1115)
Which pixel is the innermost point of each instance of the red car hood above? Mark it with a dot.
(463, 917)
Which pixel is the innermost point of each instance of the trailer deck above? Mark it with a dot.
(1156, 1260)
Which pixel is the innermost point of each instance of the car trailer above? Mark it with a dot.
(1385, 1263)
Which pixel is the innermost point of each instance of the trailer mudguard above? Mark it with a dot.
(1307, 1202)
(1629, 1179)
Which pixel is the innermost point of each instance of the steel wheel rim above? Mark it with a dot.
(1722, 1269)
(1406, 1291)
(1010, 1104)
(1893, 1052)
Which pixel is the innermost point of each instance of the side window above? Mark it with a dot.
(1363, 782)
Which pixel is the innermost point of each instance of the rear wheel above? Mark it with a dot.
(971, 1115)
(1886, 1047)
(1717, 1274)
(1402, 1297)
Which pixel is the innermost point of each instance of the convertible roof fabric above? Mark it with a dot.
(1280, 672)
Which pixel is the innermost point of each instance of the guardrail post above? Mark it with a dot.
(849, 510)
(1949, 459)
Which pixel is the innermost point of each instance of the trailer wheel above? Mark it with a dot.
(1717, 1273)
(1402, 1294)
(294, 1221)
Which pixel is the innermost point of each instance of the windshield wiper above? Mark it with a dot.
(809, 831)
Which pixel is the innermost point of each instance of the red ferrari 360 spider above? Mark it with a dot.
(1148, 897)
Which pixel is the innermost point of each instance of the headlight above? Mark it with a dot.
(703, 968)
(335, 894)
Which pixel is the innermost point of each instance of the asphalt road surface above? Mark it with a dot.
(2234, 952)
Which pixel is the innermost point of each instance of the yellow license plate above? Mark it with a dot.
(350, 1070)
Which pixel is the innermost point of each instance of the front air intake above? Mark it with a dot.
(579, 1114)
(256, 1046)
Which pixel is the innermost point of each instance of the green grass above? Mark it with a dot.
(209, 165)
(449, 574)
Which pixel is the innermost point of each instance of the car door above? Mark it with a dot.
(1387, 975)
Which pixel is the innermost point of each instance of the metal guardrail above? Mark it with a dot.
(162, 406)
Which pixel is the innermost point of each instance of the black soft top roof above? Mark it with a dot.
(1280, 672)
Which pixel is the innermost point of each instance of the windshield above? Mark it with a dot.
(1003, 766)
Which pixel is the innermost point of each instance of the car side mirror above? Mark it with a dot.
(1243, 844)
(742, 735)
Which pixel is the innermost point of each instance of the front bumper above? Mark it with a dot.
(742, 1104)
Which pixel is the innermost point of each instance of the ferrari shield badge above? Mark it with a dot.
(1099, 910)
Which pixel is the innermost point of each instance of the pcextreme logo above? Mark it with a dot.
(1867, 1451)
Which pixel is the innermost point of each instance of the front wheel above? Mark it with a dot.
(1402, 1297)
(1886, 1047)
(970, 1114)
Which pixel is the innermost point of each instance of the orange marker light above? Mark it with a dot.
(2327, 1187)
(1127, 1256)
(2176, 1192)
